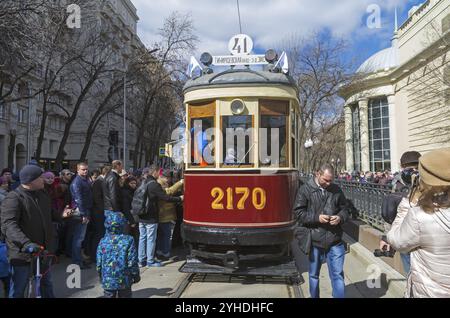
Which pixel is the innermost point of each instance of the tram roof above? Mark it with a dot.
(236, 77)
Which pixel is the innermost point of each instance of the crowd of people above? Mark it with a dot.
(87, 216)
(121, 222)
(384, 178)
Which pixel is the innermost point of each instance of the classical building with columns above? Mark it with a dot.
(400, 99)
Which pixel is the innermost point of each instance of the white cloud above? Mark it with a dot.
(266, 21)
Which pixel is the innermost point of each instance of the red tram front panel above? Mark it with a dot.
(236, 200)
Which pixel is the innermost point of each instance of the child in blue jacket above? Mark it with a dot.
(117, 261)
(4, 267)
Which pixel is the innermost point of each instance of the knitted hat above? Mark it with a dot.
(410, 158)
(167, 173)
(30, 173)
(434, 168)
(48, 175)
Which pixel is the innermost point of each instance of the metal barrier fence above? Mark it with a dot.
(367, 198)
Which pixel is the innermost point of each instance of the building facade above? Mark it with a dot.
(400, 99)
(20, 121)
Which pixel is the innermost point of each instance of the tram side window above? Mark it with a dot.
(202, 142)
(274, 132)
(238, 142)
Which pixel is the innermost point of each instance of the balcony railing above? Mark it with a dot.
(367, 198)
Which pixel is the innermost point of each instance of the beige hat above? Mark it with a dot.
(434, 168)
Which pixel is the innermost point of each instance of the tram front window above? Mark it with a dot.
(237, 140)
(274, 128)
(202, 142)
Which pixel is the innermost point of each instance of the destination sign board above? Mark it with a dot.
(239, 60)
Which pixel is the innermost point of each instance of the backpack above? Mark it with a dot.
(140, 200)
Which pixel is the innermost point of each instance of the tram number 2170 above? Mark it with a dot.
(259, 198)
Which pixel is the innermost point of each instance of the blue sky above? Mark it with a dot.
(272, 22)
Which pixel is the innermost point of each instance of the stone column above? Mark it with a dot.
(395, 151)
(349, 138)
(364, 127)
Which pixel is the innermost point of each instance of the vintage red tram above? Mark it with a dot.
(241, 173)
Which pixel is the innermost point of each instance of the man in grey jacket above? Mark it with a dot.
(321, 209)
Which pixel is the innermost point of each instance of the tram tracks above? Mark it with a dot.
(230, 286)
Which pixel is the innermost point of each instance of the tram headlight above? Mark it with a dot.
(271, 56)
(206, 59)
(237, 107)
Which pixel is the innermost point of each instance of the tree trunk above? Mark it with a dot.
(139, 159)
(40, 139)
(11, 151)
(71, 119)
(99, 114)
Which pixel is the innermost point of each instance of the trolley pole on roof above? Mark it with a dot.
(239, 15)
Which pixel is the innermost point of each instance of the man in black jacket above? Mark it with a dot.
(112, 197)
(26, 222)
(148, 223)
(321, 209)
(98, 211)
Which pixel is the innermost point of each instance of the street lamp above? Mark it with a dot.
(308, 145)
(335, 164)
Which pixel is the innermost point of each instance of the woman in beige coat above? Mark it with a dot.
(425, 229)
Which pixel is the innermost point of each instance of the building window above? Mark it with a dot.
(356, 138)
(52, 146)
(379, 135)
(21, 116)
(52, 122)
(2, 111)
(38, 119)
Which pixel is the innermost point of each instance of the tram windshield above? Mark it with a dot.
(274, 132)
(237, 140)
(275, 129)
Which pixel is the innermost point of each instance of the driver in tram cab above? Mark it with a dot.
(230, 158)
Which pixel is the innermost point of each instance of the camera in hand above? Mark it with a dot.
(384, 252)
(76, 213)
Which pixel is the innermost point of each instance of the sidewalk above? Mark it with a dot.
(359, 267)
(155, 282)
(162, 282)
